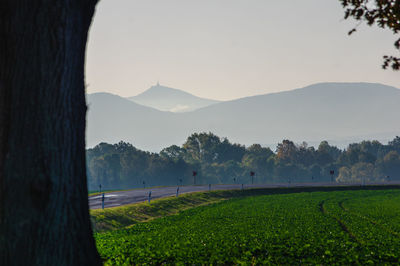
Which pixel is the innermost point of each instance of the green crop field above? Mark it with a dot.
(342, 227)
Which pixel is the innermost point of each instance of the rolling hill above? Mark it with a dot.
(339, 112)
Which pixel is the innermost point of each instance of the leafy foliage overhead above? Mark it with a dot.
(383, 13)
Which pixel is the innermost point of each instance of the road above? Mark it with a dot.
(114, 199)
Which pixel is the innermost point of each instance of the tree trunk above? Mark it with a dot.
(44, 213)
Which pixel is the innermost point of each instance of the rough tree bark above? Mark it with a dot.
(44, 214)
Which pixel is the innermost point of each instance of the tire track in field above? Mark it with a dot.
(340, 222)
(375, 223)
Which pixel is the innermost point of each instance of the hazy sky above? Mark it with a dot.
(226, 49)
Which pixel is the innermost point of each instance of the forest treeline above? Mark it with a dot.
(216, 160)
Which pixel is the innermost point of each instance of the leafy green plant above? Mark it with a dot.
(342, 227)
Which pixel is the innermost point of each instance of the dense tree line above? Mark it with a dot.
(216, 160)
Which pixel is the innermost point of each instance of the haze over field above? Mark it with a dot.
(339, 112)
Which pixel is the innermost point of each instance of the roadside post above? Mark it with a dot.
(331, 172)
(102, 201)
(194, 173)
(252, 177)
(242, 187)
(149, 196)
(177, 191)
(209, 187)
(234, 180)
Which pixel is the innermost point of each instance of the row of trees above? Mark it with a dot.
(217, 160)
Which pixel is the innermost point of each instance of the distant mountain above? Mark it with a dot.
(169, 99)
(112, 118)
(340, 112)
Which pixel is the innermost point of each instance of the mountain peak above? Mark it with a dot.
(159, 90)
(169, 99)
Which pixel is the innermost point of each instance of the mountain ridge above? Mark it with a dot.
(309, 113)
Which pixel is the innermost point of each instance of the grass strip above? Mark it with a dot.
(128, 215)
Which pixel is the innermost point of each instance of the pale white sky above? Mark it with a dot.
(226, 49)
